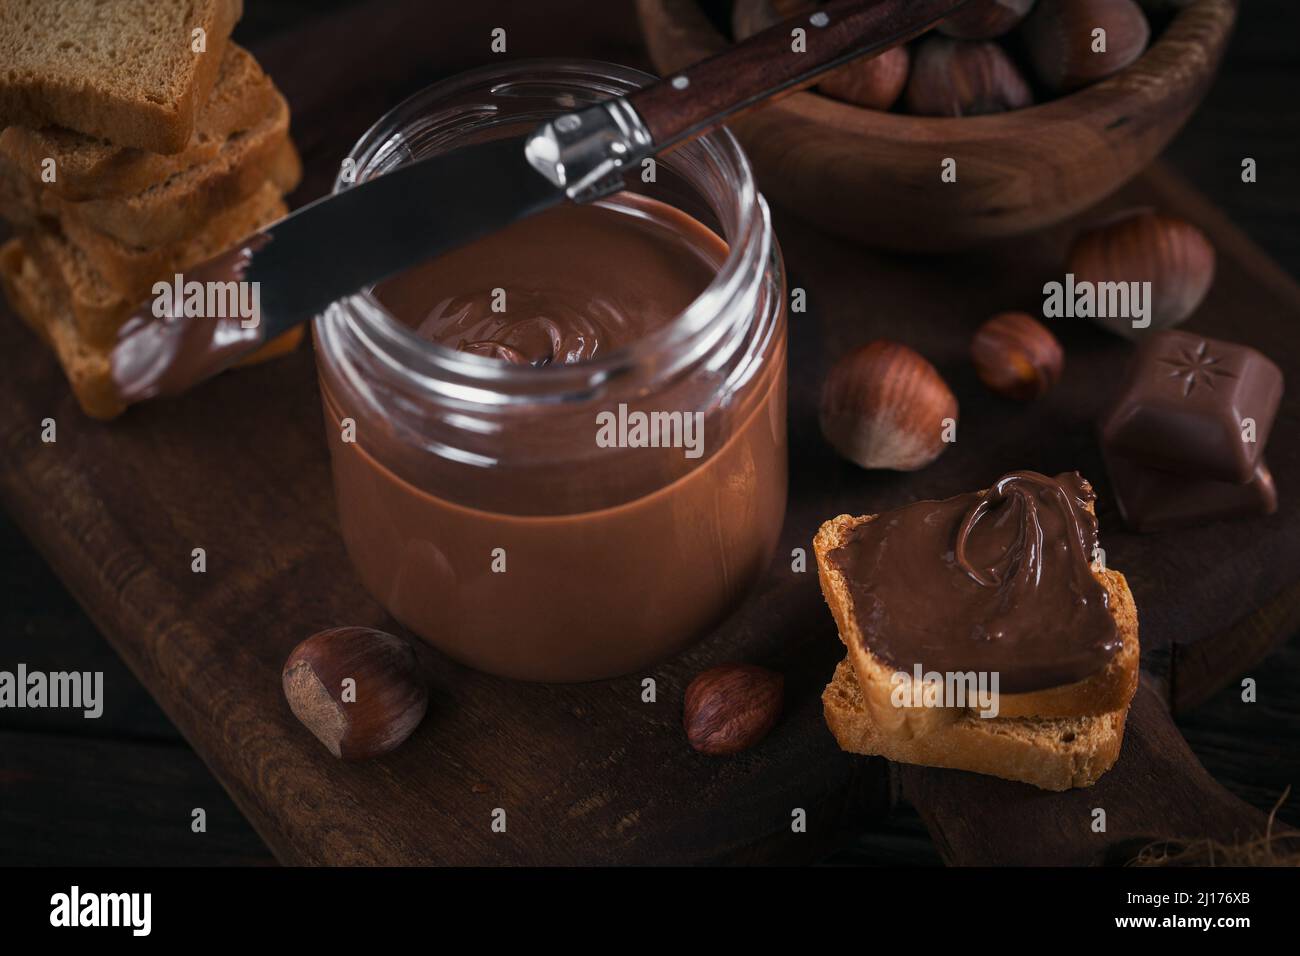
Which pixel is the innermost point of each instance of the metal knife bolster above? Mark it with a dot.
(587, 153)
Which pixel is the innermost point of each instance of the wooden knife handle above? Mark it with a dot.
(767, 66)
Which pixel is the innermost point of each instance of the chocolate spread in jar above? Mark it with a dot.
(989, 581)
(596, 584)
(570, 285)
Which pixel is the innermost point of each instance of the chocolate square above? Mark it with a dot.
(1184, 404)
(1153, 500)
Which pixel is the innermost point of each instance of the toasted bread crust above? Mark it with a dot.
(132, 270)
(87, 371)
(185, 203)
(1056, 753)
(91, 168)
(73, 95)
(103, 280)
(86, 367)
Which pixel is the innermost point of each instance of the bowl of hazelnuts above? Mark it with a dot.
(1008, 117)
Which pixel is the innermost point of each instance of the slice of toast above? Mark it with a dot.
(20, 197)
(1108, 690)
(1055, 753)
(30, 295)
(89, 168)
(121, 70)
(100, 280)
(185, 203)
(87, 368)
(132, 270)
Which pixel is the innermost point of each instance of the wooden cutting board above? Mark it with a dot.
(590, 773)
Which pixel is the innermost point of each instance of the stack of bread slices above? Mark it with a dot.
(1057, 738)
(138, 141)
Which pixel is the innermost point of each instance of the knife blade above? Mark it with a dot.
(319, 254)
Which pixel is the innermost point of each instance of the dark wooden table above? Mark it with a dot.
(106, 791)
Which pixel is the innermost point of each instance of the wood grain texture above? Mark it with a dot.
(694, 99)
(874, 176)
(1157, 791)
(585, 773)
(1251, 747)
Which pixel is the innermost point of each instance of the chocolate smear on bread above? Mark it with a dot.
(992, 581)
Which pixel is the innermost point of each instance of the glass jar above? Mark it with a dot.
(474, 498)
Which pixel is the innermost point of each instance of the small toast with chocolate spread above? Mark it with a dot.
(996, 590)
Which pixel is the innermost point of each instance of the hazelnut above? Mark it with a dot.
(356, 689)
(884, 406)
(1173, 255)
(1016, 357)
(964, 78)
(875, 84)
(985, 19)
(1061, 41)
(730, 708)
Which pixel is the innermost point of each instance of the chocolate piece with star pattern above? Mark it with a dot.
(1195, 406)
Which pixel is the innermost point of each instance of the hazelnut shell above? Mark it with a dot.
(1016, 356)
(964, 78)
(874, 84)
(884, 406)
(390, 697)
(1172, 254)
(731, 708)
(1059, 36)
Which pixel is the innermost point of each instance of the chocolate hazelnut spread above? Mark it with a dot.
(569, 285)
(989, 581)
(551, 557)
(168, 354)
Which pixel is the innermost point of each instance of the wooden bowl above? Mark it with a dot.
(874, 176)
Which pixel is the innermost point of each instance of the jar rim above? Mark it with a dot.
(466, 376)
